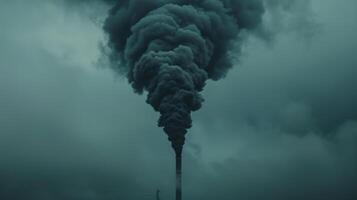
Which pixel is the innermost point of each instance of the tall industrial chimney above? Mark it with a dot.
(178, 176)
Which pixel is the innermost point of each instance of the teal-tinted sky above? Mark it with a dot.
(281, 125)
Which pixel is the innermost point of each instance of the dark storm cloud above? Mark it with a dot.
(282, 125)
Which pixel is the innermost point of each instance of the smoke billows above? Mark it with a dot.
(170, 48)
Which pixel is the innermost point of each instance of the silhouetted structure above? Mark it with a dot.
(177, 143)
(157, 194)
(178, 176)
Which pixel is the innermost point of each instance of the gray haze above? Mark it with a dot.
(281, 125)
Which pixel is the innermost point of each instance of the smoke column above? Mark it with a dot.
(170, 48)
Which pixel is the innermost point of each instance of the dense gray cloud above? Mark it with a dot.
(281, 125)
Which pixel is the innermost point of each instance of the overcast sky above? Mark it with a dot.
(282, 124)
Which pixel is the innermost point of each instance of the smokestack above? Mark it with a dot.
(179, 176)
(157, 194)
(177, 145)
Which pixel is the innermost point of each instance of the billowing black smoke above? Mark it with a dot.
(169, 48)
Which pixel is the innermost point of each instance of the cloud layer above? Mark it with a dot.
(282, 125)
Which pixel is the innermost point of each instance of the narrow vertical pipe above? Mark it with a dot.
(178, 176)
(157, 194)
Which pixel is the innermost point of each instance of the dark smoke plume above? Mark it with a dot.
(169, 48)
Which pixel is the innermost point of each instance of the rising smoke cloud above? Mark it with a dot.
(170, 48)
